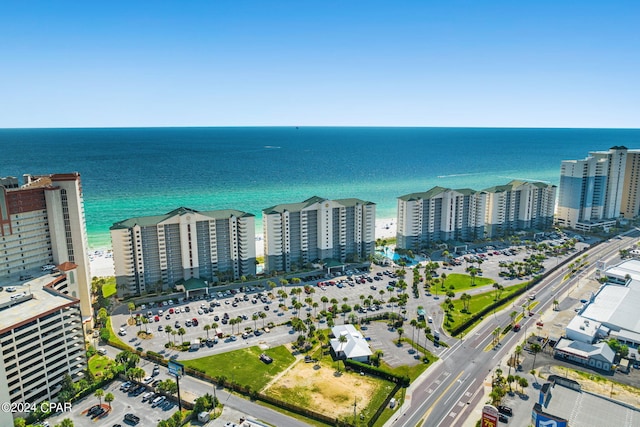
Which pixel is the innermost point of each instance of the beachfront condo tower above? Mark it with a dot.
(519, 205)
(42, 224)
(318, 229)
(597, 190)
(446, 215)
(154, 253)
(438, 215)
(42, 340)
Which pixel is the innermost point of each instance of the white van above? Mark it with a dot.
(430, 319)
(122, 332)
(157, 401)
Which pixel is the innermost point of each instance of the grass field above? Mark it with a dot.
(109, 288)
(477, 303)
(98, 364)
(321, 389)
(244, 366)
(462, 282)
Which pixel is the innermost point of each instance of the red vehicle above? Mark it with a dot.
(516, 328)
(156, 318)
(194, 321)
(171, 311)
(539, 323)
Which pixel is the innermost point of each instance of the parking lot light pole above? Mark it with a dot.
(179, 400)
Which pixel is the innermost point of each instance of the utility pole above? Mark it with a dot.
(355, 404)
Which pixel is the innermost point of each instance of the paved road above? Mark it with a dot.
(446, 394)
(443, 396)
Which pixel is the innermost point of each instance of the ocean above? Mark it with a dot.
(128, 172)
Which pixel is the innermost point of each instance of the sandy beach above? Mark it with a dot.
(101, 260)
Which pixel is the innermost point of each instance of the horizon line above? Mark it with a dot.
(312, 126)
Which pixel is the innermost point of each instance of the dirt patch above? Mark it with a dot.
(323, 390)
(601, 386)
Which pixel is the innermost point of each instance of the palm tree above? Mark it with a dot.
(400, 332)
(206, 329)
(315, 308)
(173, 334)
(263, 316)
(518, 352)
(413, 324)
(99, 393)
(535, 349)
(132, 308)
(168, 329)
(182, 333)
(341, 339)
(496, 336)
(109, 398)
(465, 298)
(255, 318)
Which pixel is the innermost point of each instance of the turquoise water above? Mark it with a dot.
(149, 171)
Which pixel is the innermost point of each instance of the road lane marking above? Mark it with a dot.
(428, 412)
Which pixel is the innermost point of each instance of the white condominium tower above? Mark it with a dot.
(153, 253)
(440, 214)
(296, 234)
(42, 339)
(598, 189)
(42, 222)
(519, 205)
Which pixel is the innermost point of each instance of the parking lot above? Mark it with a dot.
(124, 403)
(242, 303)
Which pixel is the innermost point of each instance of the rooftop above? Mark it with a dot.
(42, 301)
(148, 221)
(297, 207)
(616, 306)
(583, 409)
(356, 345)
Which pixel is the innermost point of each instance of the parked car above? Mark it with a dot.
(157, 401)
(505, 410)
(132, 419)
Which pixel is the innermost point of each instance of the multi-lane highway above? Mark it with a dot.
(446, 394)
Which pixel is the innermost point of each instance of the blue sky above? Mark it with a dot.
(311, 63)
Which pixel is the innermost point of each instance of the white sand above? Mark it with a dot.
(102, 262)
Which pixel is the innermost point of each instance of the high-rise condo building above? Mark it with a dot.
(42, 222)
(153, 253)
(597, 190)
(440, 214)
(296, 234)
(519, 205)
(42, 338)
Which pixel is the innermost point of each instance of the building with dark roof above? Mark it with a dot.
(153, 253)
(318, 229)
(563, 403)
(443, 214)
(440, 214)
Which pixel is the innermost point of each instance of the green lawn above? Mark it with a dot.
(98, 364)
(114, 335)
(244, 366)
(462, 282)
(477, 303)
(109, 287)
